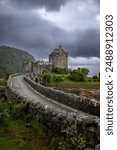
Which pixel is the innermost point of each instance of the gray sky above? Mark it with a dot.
(38, 26)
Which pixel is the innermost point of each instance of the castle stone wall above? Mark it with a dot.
(59, 58)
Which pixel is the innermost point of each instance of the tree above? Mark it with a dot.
(84, 71)
(60, 70)
(78, 74)
(46, 78)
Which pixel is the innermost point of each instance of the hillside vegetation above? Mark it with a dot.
(11, 59)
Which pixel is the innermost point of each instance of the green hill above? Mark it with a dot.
(12, 58)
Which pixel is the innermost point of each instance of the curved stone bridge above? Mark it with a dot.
(54, 111)
(28, 92)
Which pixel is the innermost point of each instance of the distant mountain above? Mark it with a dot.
(12, 58)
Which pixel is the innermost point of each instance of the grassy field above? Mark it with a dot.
(90, 87)
(87, 89)
(88, 83)
(17, 136)
(71, 84)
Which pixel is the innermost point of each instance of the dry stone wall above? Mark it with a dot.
(57, 122)
(84, 104)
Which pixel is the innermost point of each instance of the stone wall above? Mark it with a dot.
(84, 104)
(60, 123)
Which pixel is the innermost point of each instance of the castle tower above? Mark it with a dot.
(59, 58)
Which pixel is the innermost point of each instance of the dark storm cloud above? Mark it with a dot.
(87, 44)
(50, 5)
(27, 30)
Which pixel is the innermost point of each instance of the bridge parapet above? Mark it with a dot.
(90, 106)
(58, 122)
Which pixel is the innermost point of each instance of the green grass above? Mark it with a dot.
(16, 137)
(88, 83)
(18, 133)
(71, 84)
(14, 132)
(3, 82)
(85, 87)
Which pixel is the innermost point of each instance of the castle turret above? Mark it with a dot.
(59, 58)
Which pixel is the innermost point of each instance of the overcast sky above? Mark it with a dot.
(38, 26)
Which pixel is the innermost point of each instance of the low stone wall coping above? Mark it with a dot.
(84, 104)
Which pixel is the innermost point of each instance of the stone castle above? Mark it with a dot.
(34, 69)
(59, 58)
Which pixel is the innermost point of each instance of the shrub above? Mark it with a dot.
(10, 110)
(47, 77)
(19, 111)
(4, 118)
(3, 113)
(77, 143)
(59, 70)
(96, 78)
(78, 74)
(58, 78)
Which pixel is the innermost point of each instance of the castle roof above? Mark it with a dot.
(58, 50)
